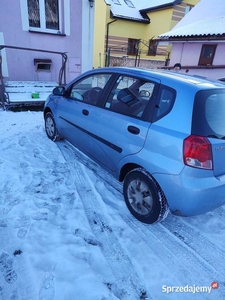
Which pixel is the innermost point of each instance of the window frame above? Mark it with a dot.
(129, 3)
(43, 65)
(77, 83)
(117, 2)
(43, 27)
(149, 108)
(163, 88)
(153, 43)
(188, 8)
(131, 50)
(207, 61)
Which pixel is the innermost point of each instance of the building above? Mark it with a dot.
(126, 31)
(46, 40)
(199, 40)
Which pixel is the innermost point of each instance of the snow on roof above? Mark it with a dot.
(125, 11)
(132, 9)
(153, 4)
(206, 18)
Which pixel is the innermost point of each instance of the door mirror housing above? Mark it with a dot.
(59, 91)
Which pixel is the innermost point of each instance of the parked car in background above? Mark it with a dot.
(161, 133)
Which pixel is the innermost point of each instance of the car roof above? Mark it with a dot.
(162, 75)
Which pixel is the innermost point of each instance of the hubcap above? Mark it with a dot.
(49, 125)
(140, 197)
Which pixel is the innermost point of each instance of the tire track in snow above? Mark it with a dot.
(127, 283)
(190, 267)
(90, 164)
(196, 241)
(180, 247)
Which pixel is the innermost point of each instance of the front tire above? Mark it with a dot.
(144, 198)
(50, 127)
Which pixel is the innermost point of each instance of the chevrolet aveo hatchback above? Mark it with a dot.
(160, 133)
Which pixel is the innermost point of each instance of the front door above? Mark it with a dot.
(74, 109)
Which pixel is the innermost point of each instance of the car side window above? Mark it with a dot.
(89, 89)
(130, 96)
(166, 98)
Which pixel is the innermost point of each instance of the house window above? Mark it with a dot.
(133, 45)
(42, 65)
(129, 3)
(116, 2)
(207, 55)
(152, 48)
(188, 8)
(44, 14)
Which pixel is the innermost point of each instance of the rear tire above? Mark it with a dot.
(50, 128)
(144, 198)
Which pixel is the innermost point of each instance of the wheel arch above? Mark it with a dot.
(47, 110)
(126, 169)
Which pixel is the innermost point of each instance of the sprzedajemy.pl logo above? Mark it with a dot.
(190, 288)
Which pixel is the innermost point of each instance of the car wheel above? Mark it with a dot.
(144, 198)
(50, 127)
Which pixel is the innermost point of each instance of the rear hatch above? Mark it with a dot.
(209, 121)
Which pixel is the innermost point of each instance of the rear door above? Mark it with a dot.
(120, 127)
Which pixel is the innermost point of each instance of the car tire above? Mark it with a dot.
(144, 198)
(50, 128)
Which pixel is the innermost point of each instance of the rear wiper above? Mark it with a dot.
(212, 136)
(215, 137)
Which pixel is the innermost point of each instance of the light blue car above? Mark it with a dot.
(161, 133)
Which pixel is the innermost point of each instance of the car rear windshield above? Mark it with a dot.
(209, 113)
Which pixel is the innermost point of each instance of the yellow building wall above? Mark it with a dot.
(118, 34)
(160, 22)
(100, 20)
(119, 31)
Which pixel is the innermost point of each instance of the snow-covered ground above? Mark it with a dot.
(66, 234)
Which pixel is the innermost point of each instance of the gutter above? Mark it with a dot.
(107, 41)
(201, 38)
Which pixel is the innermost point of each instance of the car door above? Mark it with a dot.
(74, 108)
(119, 128)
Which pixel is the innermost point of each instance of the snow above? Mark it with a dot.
(205, 18)
(66, 234)
(122, 9)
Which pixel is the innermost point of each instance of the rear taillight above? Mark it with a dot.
(197, 152)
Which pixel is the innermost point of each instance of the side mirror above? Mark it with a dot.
(145, 93)
(59, 91)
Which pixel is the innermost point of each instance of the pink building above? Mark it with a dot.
(198, 40)
(62, 26)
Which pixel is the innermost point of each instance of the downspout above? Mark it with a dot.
(107, 42)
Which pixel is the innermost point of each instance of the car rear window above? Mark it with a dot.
(209, 113)
(165, 101)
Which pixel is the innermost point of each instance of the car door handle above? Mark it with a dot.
(133, 129)
(85, 112)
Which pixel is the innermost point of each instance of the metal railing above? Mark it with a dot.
(62, 71)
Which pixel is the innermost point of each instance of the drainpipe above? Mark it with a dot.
(107, 42)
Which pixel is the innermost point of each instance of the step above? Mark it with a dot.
(29, 91)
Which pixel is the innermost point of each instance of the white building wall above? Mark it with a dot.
(87, 36)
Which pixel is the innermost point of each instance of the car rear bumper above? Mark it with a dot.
(193, 191)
